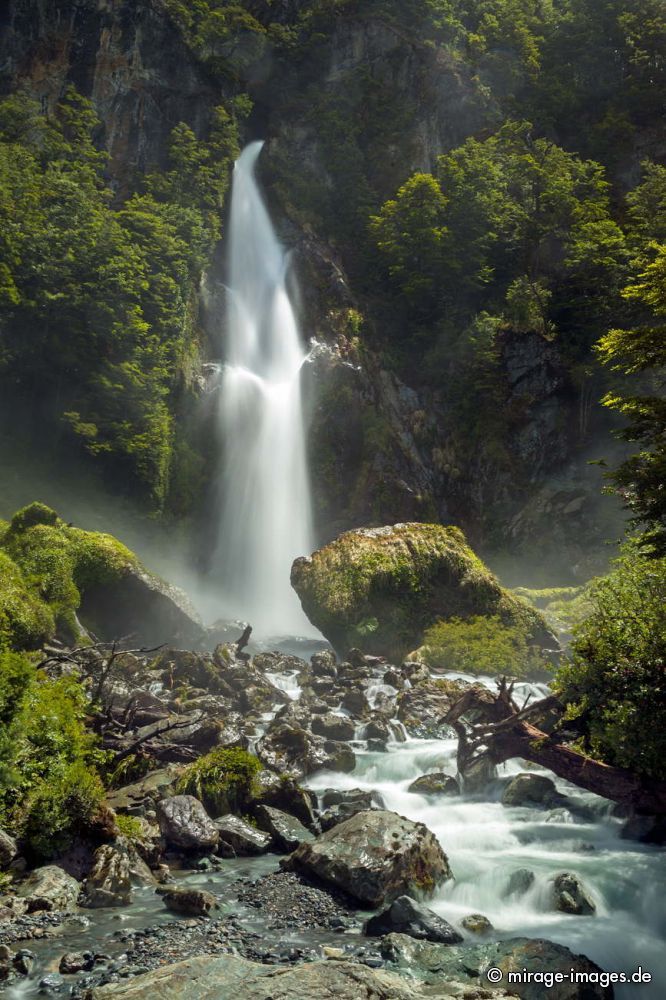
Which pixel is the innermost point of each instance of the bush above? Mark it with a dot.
(615, 683)
(222, 779)
(60, 809)
(480, 645)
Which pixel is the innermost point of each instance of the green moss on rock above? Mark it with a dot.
(403, 578)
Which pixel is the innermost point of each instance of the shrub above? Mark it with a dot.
(480, 645)
(615, 682)
(129, 827)
(61, 808)
(222, 779)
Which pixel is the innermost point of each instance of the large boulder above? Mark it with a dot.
(8, 849)
(406, 916)
(286, 831)
(376, 856)
(293, 751)
(241, 837)
(49, 888)
(531, 790)
(436, 783)
(228, 978)
(379, 589)
(569, 895)
(109, 882)
(189, 902)
(432, 964)
(184, 823)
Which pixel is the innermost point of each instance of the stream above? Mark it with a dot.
(485, 842)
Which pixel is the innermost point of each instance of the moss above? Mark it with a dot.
(223, 780)
(381, 588)
(129, 827)
(26, 621)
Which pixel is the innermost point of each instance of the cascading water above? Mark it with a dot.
(265, 499)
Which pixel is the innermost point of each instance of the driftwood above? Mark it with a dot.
(514, 734)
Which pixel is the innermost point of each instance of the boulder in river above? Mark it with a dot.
(476, 923)
(189, 902)
(376, 856)
(109, 882)
(342, 805)
(433, 964)
(531, 790)
(569, 895)
(292, 750)
(407, 916)
(520, 881)
(379, 589)
(49, 888)
(184, 823)
(286, 831)
(282, 792)
(241, 837)
(436, 783)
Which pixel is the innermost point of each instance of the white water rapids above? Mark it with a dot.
(265, 518)
(486, 842)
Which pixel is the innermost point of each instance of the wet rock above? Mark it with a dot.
(285, 794)
(476, 923)
(286, 831)
(74, 961)
(145, 793)
(229, 977)
(358, 581)
(339, 805)
(8, 849)
(190, 902)
(519, 882)
(377, 746)
(355, 702)
(109, 881)
(324, 664)
(406, 916)
(531, 790)
(437, 783)
(645, 829)
(569, 895)
(333, 727)
(434, 964)
(52, 984)
(185, 823)
(377, 729)
(478, 775)
(24, 961)
(241, 837)
(422, 708)
(49, 888)
(376, 856)
(293, 751)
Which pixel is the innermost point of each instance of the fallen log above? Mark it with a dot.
(516, 736)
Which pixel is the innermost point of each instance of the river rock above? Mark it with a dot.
(422, 708)
(109, 881)
(135, 798)
(406, 916)
(190, 902)
(520, 881)
(323, 664)
(476, 923)
(569, 895)
(333, 727)
(432, 964)
(437, 783)
(49, 888)
(379, 589)
(242, 838)
(530, 790)
(8, 849)
(230, 978)
(282, 792)
(293, 751)
(286, 831)
(185, 823)
(341, 805)
(376, 856)
(75, 961)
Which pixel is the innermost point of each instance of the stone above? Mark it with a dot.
(376, 856)
(49, 888)
(109, 881)
(292, 750)
(8, 849)
(569, 895)
(333, 727)
(422, 707)
(230, 978)
(241, 837)
(24, 961)
(406, 916)
(530, 790)
(341, 805)
(432, 964)
(519, 882)
(324, 663)
(379, 589)
(73, 962)
(144, 793)
(185, 823)
(282, 792)
(189, 902)
(436, 783)
(476, 923)
(286, 831)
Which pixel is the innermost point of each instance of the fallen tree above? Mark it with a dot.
(512, 733)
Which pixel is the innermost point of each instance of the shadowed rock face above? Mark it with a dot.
(376, 856)
(380, 588)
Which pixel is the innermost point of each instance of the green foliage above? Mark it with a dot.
(480, 645)
(129, 827)
(222, 780)
(614, 682)
(100, 300)
(60, 808)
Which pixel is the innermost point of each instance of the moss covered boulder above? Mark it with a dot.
(380, 588)
(55, 577)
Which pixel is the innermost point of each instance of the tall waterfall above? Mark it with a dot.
(265, 506)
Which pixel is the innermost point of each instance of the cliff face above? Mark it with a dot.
(350, 113)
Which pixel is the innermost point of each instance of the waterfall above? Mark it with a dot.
(265, 515)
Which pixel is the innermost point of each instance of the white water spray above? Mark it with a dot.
(266, 517)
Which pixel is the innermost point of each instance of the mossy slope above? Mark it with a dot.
(380, 588)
